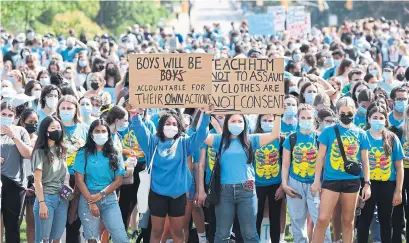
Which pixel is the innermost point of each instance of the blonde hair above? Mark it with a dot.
(73, 100)
(346, 101)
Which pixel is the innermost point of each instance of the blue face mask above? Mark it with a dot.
(377, 125)
(100, 139)
(66, 116)
(337, 62)
(267, 126)
(6, 121)
(290, 112)
(12, 80)
(330, 62)
(374, 72)
(309, 98)
(236, 128)
(122, 127)
(400, 106)
(362, 110)
(305, 124)
(83, 63)
(86, 110)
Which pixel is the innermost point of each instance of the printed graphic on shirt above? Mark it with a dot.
(361, 125)
(211, 157)
(72, 145)
(267, 165)
(405, 147)
(304, 158)
(351, 149)
(379, 164)
(169, 152)
(131, 143)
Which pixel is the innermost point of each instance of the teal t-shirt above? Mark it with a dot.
(393, 122)
(267, 164)
(98, 174)
(304, 157)
(360, 121)
(382, 167)
(74, 138)
(354, 140)
(233, 160)
(287, 129)
(405, 147)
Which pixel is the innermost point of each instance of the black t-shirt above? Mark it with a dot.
(352, 53)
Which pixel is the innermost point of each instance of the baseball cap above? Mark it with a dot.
(389, 66)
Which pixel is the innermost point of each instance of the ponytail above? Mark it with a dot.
(388, 139)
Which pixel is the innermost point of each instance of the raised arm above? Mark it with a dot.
(144, 137)
(275, 133)
(200, 135)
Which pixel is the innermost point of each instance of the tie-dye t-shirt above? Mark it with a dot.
(267, 164)
(74, 138)
(360, 121)
(304, 156)
(405, 146)
(287, 129)
(382, 167)
(354, 140)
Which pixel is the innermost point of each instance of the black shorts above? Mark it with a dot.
(160, 206)
(345, 186)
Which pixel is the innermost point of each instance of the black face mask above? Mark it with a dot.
(400, 77)
(297, 74)
(100, 68)
(346, 119)
(95, 86)
(111, 71)
(31, 128)
(55, 135)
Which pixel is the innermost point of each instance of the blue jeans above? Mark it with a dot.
(52, 227)
(298, 209)
(236, 199)
(111, 217)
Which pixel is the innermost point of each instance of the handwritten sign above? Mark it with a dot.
(278, 13)
(170, 80)
(260, 24)
(296, 21)
(248, 86)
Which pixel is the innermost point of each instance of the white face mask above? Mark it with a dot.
(51, 102)
(170, 131)
(36, 94)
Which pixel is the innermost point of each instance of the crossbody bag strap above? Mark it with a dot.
(340, 144)
(153, 155)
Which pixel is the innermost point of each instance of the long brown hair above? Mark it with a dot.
(388, 138)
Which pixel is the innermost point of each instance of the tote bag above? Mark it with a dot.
(145, 178)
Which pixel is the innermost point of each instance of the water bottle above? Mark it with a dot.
(317, 200)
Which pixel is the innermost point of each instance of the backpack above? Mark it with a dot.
(293, 142)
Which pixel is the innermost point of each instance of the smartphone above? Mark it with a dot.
(297, 195)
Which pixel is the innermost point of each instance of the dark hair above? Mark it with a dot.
(387, 136)
(345, 63)
(116, 112)
(43, 72)
(29, 87)
(338, 52)
(311, 60)
(9, 106)
(379, 89)
(301, 98)
(368, 76)
(116, 75)
(324, 112)
(243, 138)
(162, 122)
(47, 89)
(359, 83)
(397, 90)
(366, 95)
(42, 140)
(97, 65)
(53, 62)
(258, 128)
(57, 79)
(26, 113)
(66, 89)
(108, 149)
(355, 71)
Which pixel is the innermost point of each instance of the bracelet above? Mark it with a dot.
(41, 202)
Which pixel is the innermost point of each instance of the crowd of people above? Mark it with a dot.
(337, 160)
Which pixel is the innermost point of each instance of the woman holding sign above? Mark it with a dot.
(171, 178)
(238, 192)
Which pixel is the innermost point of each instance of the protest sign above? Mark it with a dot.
(260, 24)
(278, 13)
(248, 86)
(170, 80)
(296, 21)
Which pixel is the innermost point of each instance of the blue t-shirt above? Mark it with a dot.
(233, 160)
(74, 138)
(382, 167)
(67, 54)
(267, 164)
(287, 129)
(360, 121)
(354, 140)
(170, 173)
(304, 157)
(41, 114)
(130, 142)
(98, 174)
(405, 147)
(393, 122)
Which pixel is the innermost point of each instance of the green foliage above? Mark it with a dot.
(40, 15)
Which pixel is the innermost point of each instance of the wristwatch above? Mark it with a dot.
(103, 194)
(367, 183)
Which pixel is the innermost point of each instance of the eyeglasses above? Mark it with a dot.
(51, 96)
(401, 99)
